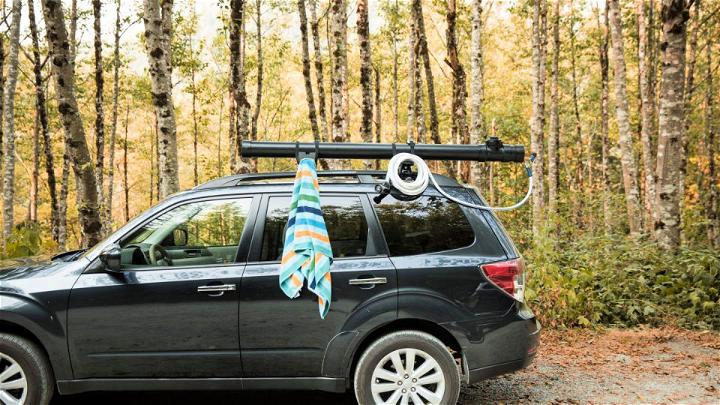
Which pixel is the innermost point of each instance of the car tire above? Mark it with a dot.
(433, 377)
(18, 353)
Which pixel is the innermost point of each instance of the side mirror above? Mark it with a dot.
(180, 237)
(111, 258)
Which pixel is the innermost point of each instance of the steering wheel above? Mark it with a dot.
(156, 249)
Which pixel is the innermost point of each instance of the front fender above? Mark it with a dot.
(44, 325)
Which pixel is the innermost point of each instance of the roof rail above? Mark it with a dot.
(362, 176)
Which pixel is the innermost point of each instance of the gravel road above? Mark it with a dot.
(612, 366)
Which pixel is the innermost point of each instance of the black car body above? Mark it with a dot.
(216, 318)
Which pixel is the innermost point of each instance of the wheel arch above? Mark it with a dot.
(417, 324)
(21, 331)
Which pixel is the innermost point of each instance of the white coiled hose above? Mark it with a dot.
(425, 176)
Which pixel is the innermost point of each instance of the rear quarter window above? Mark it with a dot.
(426, 225)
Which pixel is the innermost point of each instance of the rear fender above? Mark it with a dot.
(345, 347)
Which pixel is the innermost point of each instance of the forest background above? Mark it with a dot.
(110, 106)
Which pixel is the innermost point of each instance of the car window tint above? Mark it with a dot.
(197, 233)
(344, 219)
(428, 224)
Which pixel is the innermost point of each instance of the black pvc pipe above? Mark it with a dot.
(491, 152)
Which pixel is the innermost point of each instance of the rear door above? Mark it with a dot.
(280, 337)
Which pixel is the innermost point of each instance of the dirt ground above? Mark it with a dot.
(576, 366)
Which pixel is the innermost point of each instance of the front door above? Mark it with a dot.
(281, 337)
(173, 312)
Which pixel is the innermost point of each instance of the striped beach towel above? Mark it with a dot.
(307, 254)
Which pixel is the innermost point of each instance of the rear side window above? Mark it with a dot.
(426, 225)
(344, 218)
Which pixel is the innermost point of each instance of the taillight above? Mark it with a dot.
(508, 276)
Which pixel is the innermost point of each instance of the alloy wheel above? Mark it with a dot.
(13, 384)
(408, 376)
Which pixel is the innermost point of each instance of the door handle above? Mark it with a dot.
(216, 289)
(368, 281)
(192, 252)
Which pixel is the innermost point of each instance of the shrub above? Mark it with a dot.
(623, 282)
(26, 240)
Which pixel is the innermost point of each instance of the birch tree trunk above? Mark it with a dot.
(260, 72)
(459, 129)
(193, 103)
(378, 107)
(73, 32)
(671, 123)
(629, 168)
(319, 77)
(378, 112)
(477, 89)
(232, 114)
(156, 140)
(153, 154)
(241, 118)
(605, 119)
(553, 141)
(76, 143)
(2, 96)
(395, 84)
(33, 197)
(312, 115)
(692, 31)
(417, 16)
(126, 185)
(114, 120)
(416, 115)
(67, 161)
(653, 45)
(537, 130)
(712, 201)
(221, 96)
(41, 111)
(157, 17)
(9, 121)
(578, 186)
(99, 110)
(647, 116)
(363, 32)
(338, 26)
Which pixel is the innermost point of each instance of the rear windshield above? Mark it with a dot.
(426, 225)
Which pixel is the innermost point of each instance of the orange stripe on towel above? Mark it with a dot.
(312, 234)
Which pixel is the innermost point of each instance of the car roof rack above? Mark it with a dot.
(355, 176)
(493, 150)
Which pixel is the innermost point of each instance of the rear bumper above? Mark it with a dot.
(481, 373)
(502, 350)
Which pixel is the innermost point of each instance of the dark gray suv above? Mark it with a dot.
(426, 294)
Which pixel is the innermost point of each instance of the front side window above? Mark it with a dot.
(198, 233)
(426, 225)
(344, 218)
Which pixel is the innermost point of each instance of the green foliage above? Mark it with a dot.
(24, 241)
(622, 282)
